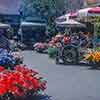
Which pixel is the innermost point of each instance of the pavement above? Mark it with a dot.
(65, 82)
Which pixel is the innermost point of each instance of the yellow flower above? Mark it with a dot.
(93, 56)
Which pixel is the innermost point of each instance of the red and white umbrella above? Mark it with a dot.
(70, 23)
(72, 15)
(66, 17)
(88, 12)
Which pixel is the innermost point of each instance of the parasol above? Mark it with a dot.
(66, 16)
(90, 15)
(70, 23)
(87, 12)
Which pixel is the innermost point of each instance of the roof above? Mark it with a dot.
(4, 25)
(32, 24)
(9, 6)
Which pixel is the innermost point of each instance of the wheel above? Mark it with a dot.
(70, 55)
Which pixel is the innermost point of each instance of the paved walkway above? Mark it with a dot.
(65, 82)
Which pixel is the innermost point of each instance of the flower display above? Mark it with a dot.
(93, 56)
(40, 47)
(17, 56)
(10, 59)
(6, 59)
(20, 82)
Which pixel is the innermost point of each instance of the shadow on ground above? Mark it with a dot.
(40, 97)
(89, 66)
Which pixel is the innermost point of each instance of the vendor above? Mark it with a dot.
(4, 42)
(66, 39)
(75, 39)
(83, 40)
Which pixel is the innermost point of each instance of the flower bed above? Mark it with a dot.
(19, 83)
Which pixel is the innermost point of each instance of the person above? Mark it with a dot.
(75, 39)
(4, 42)
(66, 39)
(83, 40)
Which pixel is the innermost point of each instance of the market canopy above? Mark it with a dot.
(70, 23)
(87, 12)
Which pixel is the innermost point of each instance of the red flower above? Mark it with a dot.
(2, 68)
(3, 91)
(35, 83)
(16, 91)
(19, 81)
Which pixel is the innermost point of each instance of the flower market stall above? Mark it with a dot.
(80, 43)
(92, 15)
(17, 81)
